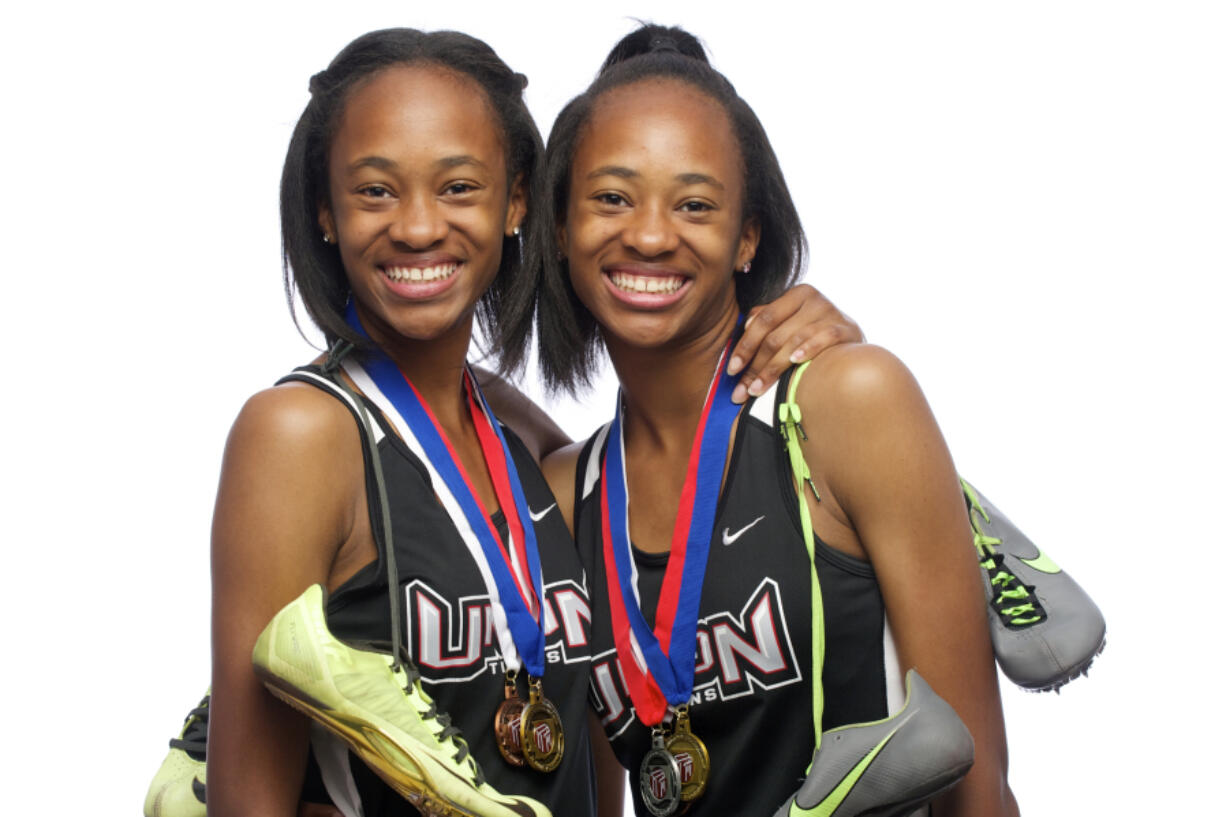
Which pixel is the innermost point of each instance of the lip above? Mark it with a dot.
(420, 277)
(665, 276)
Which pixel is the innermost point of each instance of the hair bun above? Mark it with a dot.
(652, 39)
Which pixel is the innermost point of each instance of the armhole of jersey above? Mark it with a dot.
(587, 471)
(333, 759)
(312, 375)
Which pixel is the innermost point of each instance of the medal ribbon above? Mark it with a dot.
(658, 665)
(512, 575)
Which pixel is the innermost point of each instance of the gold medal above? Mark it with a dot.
(659, 778)
(693, 761)
(507, 722)
(540, 730)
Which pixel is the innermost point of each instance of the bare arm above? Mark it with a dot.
(284, 515)
(888, 482)
(538, 431)
(797, 326)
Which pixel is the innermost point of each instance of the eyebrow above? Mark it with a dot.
(384, 163)
(629, 173)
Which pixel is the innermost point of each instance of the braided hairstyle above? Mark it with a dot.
(568, 337)
(313, 268)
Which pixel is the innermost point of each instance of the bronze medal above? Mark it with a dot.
(507, 722)
(693, 761)
(540, 730)
(659, 778)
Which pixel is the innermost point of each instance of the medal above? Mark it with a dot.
(511, 573)
(540, 730)
(693, 761)
(657, 662)
(507, 723)
(659, 778)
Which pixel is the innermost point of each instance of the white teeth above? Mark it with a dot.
(435, 273)
(647, 283)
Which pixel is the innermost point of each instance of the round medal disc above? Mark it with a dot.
(693, 763)
(507, 721)
(540, 735)
(660, 782)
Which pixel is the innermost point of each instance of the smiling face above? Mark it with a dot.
(654, 223)
(418, 201)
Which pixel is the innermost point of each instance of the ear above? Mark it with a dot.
(559, 235)
(747, 245)
(517, 205)
(326, 222)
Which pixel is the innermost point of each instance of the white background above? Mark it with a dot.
(1025, 201)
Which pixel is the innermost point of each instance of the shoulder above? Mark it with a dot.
(540, 434)
(856, 377)
(559, 470)
(292, 431)
(293, 415)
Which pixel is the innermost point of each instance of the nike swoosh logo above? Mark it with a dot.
(198, 789)
(1043, 563)
(729, 538)
(537, 516)
(833, 800)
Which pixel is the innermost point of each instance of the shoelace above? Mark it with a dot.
(196, 732)
(412, 685)
(1014, 602)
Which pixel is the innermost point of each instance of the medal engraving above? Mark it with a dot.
(507, 721)
(693, 760)
(659, 778)
(540, 730)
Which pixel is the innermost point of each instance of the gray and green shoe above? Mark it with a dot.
(177, 789)
(1045, 629)
(886, 768)
(375, 703)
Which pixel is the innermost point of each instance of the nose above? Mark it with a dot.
(650, 230)
(418, 223)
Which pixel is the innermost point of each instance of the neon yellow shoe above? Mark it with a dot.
(377, 706)
(177, 789)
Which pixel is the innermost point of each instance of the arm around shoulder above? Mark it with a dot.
(284, 507)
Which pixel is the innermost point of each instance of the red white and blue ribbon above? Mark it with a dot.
(512, 575)
(658, 663)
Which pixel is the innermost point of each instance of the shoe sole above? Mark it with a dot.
(422, 793)
(1079, 671)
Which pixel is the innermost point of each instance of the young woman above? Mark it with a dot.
(409, 177)
(673, 218)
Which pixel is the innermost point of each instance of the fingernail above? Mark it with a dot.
(739, 394)
(735, 364)
(755, 388)
(797, 356)
(748, 321)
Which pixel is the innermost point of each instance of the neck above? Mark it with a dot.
(664, 387)
(435, 367)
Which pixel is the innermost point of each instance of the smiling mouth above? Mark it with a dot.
(650, 284)
(439, 272)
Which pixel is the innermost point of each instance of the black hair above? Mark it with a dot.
(313, 267)
(568, 337)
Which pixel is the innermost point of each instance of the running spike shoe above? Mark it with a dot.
(1046, 630)
(377, 706)
(177, 789)
(890, 767)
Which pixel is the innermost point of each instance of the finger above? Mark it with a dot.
(759, 323)
(774, 356)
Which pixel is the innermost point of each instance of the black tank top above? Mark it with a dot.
(752, 703)
(450, 633)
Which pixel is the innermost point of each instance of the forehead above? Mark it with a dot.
(418, 113)
(661, 122)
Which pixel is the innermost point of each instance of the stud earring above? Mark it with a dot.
(745, 268)
(515, 231)
(327, 238)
